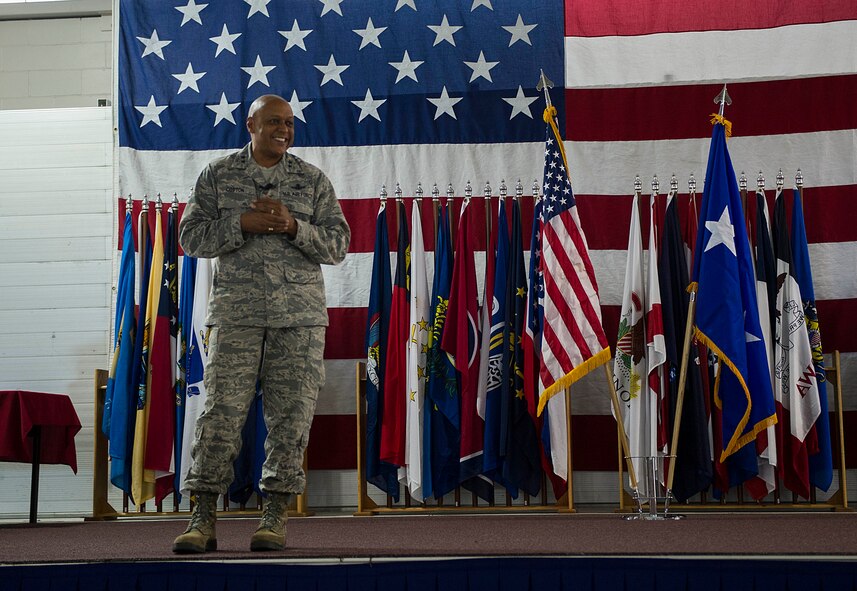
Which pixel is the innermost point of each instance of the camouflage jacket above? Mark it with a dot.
(260, 279)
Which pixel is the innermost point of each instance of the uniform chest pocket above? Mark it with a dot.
(233, 204)
(301, 211)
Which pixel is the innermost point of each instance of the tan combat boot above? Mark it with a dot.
(271, 533)
(200, 535)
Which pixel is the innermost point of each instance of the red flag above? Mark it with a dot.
(461, 341)
(161, 396)
(689, 230)
(656, 348)
(395, 376)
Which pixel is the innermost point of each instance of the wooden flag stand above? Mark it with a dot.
(367, 507)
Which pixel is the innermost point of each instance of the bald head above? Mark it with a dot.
(264, 100)
(271, 124)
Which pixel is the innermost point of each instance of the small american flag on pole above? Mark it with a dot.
(573, 343)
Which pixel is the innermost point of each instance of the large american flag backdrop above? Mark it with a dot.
(410, 91)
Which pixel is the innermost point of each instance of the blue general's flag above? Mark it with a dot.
(443, 416)
(727, 316)
(381, 474)
(821, 463)
(121, 398)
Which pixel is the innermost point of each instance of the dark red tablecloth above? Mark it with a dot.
(21, 411)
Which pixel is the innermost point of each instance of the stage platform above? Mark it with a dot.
(509, 551)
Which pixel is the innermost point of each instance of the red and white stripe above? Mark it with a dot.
(573, 331)
(639, 84)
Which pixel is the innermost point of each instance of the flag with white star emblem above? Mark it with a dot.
(573, 339)
(727, 314)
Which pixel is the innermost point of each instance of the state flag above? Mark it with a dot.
(795, 382)
(461, 341)
(442, 396)
(820, 464)
(378, 473)
(393, 425)
(415, 359)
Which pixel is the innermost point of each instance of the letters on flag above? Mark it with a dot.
(498, 354)
(795, 382)
(820, 464)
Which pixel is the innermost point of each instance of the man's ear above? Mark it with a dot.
(251, 125)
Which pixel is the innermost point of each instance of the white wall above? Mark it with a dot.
(56, 252)
(49, 63)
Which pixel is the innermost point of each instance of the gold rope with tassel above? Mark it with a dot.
(549, 117)
(715, 118)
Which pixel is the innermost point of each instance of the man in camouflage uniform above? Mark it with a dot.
(269, 220)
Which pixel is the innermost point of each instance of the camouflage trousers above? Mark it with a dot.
(289, 363)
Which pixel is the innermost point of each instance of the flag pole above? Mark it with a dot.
(545, 85)
(723, 99)
(436, 208)
(450, 196)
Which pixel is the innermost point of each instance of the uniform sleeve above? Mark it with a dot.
(325, 239)
(204, 231)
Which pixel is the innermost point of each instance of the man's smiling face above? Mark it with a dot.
(272, 131)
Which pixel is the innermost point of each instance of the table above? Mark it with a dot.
(37, 428)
